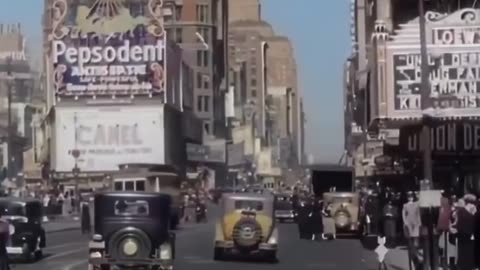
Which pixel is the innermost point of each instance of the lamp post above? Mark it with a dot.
(10, 79)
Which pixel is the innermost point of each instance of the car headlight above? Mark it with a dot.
(165, 251)
(130, 247)
(272, 240)
(11, 229)
(95, 255)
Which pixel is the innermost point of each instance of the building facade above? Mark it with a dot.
(390, 103)
(118, 90)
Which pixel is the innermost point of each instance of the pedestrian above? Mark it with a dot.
(4, 235)
(304, 210)
(411, 224)
(390, 216)
(466, 234)
(85, 221)
(477, 236)
(443, 226)
(315, 218)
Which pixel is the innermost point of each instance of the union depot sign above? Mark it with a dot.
(454, 60)
(104, 47)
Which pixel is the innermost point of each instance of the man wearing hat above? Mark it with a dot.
(466, 233)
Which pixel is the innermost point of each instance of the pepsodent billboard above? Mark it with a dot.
(107, 47)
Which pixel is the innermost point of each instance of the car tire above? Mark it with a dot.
(38, 255)
(218, 254)
(271, 257)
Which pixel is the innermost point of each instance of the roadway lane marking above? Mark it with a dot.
(66, 253)
(75, 264)
(64, 245)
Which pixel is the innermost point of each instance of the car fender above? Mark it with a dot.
(274, 234)
(29, 238)
(219, 232)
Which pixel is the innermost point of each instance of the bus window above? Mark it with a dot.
(130, 185)
(118, 186)
(139, 185)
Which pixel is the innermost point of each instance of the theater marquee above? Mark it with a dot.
(454, 62)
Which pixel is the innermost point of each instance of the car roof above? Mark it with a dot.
(247, 196)
(136, 194)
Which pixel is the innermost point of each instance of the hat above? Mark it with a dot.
(470, 198)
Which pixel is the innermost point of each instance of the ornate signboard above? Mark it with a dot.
(461, 138)
(109, 47)
(454, 66)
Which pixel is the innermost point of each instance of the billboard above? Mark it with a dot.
(453, 60)
(107, 47)
(107, 137)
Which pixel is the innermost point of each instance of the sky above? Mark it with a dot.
(319, 31)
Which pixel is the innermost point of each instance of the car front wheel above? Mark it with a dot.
(218, 254)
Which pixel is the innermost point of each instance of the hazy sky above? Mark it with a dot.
(319, 30)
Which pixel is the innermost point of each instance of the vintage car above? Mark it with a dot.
(246, 227)
(27, 236)
(283, 206)
(344, 208)
(131, 229)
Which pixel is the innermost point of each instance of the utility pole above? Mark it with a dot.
(430, 245)
(9, 123)
(425, 94)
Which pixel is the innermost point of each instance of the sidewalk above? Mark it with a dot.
(398, 258)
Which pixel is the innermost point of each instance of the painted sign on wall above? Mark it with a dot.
(108, 47)
(107, 138)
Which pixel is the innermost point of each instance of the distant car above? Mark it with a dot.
(246, 227)
(131, 229)
(284, 210)
(344, 208)
(27, 236)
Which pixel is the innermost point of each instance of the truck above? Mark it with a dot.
(335, 185)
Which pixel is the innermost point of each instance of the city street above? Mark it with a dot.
(68, 250)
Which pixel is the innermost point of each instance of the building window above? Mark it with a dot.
(199, 80)
(178, 13)
(204, 32)
(170, 34)
(178, 35)
(136, 9)
(206, 82)
(202, 13)
(253, 82)
(253, 71)
(254, 93)
(206, 103)
(199, 103)
(202, 58)
(206, 127)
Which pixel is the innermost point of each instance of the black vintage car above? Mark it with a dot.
(27, 236)
(284, 210)
(131, 229)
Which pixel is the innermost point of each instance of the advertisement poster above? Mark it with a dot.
(107, 138)
(107, 47)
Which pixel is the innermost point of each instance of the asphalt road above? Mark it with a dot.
(68, 251)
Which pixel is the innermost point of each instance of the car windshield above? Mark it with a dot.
(11, 209)
(283, 203)
(249, 205)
